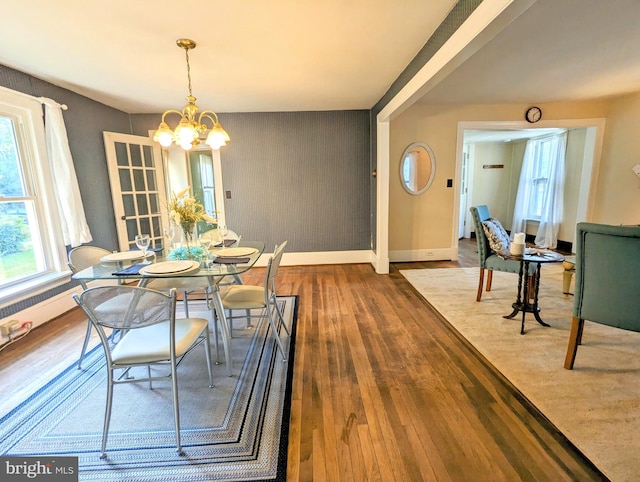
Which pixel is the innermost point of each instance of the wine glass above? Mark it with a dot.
(222, 233)
(205, 241)
(142, 242)
(169, 233)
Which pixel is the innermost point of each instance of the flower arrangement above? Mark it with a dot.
(192, 252)
(185, 212)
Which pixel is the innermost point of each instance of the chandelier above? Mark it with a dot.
(191, 127)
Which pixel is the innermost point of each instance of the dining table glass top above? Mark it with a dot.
(222, 262)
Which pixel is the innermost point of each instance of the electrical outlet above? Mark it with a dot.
(9, 327)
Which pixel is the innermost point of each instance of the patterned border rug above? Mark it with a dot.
(235, 431)
(596, 405)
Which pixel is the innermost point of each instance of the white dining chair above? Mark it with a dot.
(199, 285)
(249, 297)
(80, 258)
(151, 336)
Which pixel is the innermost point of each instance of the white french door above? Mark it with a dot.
(137, 179)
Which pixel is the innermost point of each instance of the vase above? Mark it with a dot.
(189, 248)
(188, 235)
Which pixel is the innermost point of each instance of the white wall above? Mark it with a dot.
(492, 186)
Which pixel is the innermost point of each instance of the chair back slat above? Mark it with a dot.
(273, 265)
(84, 256)
(215, 235)
(126, 307)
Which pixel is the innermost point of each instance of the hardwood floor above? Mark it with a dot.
(384, 389)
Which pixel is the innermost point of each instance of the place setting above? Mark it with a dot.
(235, 255)
(170, 268)
(122, 256)
(143, 252)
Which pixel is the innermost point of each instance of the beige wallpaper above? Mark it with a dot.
(618, 196)
(427, 221)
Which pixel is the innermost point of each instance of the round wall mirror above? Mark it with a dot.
(417, 168)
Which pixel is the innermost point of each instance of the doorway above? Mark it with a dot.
(489, 167)
(137, 181)
(201, 170)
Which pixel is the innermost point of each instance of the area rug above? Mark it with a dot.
(596, 405)
(235, 431)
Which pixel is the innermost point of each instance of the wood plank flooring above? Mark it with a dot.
(384, 389)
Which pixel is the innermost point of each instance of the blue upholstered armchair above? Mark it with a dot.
(607, 288)
(487, 258)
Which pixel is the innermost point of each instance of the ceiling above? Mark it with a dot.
(557, 50)
(282, 55)
(251, 56)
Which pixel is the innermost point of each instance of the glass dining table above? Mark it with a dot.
(223, 262)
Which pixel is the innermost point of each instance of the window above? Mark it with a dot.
(540, 174)
(31, 251)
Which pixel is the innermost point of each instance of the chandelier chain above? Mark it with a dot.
(186, 53)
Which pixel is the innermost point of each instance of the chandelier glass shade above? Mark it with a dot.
(193, 126)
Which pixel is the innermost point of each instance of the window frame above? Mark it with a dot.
(538, 179)
(27, 115)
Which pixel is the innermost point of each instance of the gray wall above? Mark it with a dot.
(296, 176)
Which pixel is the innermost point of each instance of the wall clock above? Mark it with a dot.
(533, 114)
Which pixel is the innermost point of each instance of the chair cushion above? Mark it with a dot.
(151, 343)
(243, 297)
(497, 236)
(180, 284)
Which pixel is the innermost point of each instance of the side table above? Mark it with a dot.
(524, 302)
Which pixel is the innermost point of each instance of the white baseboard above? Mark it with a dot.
(44, 311)
(408, 256)
(320, 257)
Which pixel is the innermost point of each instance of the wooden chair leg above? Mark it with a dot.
(480, 285)
(489, 279)
(574, 340)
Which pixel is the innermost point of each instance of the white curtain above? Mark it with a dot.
(552, 206)
(519, 222)
(74, 225)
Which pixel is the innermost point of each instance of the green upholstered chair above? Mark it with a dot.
(487, 258)
(607, 285)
